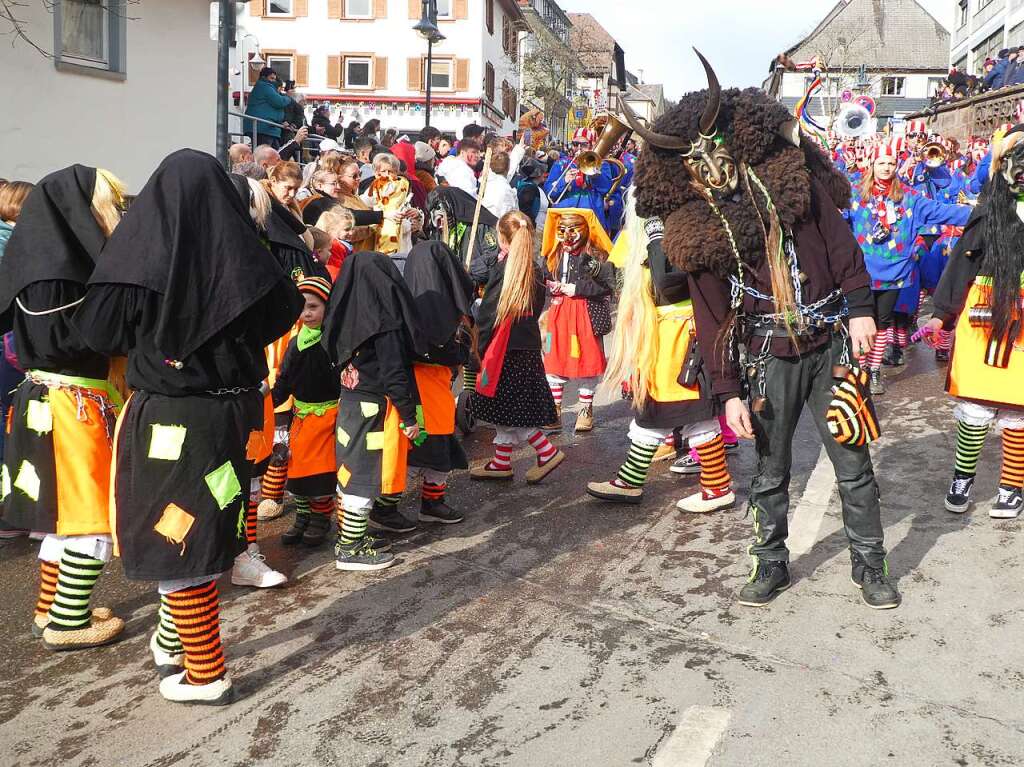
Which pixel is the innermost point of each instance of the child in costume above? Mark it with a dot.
(55, 476)
(194, 314)
(391, 194)
(372, 332)
(580, 281)
(980, 295)
(511, 390)
(307, 376)
(339, 223)
(443, 293)
(655, 350)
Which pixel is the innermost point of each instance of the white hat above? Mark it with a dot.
(329, 145)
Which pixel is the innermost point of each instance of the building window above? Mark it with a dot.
(961, 13)
(357, 72)
(961, 64)
(441, 76)
(280, 8)
(934, 83)
(509, 38)
(489, 82)
(359, 9)
(283, 65)
(90, 33)
(444, 9)
(490, 16)
(892, 86)
(988, 48)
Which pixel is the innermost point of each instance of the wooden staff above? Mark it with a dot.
(479, 203)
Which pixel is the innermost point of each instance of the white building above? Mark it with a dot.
(982, 28)
(363, 57)
(126, 85)
(891, 50)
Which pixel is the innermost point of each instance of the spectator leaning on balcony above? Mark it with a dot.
(266, 103)
(995, 74)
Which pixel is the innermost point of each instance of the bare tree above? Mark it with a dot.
(549, 73)
(12, 12)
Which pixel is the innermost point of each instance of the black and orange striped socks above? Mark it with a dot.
(47, 587)
(322, 506)
(715, 479)
(196, 615)
(251, 506)
(273, 482)
(76, 578)
(1012, 474)
(433, 491)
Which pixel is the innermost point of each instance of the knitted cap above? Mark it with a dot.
(315, 286)
(916, 126)
(884, 149)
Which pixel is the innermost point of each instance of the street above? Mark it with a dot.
(553, 629)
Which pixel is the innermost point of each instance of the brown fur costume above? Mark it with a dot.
(750, 122)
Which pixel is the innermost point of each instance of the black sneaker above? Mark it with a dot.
(942, 356)
(360, 555)
(875, 382)
(1009, 503)
(769, 580)
(731, 447)
(390, 519)
(297, 530)
(439, 511)
(685, 465)
(873, 582)
(319, 527)
(375, 543)
(958, 499)
(893, 356)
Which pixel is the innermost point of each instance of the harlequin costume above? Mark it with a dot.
(980, 296)
(443, 293)
(56, 463)
(309, 381)
(666, 376)
(885, 229)
(751, 212)
(193, 312)
(580, 280)
(372, 333)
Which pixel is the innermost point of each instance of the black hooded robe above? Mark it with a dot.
(189, 291)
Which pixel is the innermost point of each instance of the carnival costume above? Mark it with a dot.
(754, 221)
(55, 475)
(188, 291)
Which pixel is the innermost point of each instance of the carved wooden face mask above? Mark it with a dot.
(1013, 168)
(572, 233)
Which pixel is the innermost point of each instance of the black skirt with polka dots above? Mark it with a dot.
(523, 397)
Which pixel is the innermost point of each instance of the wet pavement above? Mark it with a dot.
(553, 629)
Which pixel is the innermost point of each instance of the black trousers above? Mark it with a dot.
(885, 302)
(789, 385)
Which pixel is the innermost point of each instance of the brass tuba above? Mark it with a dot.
(934, 154)
(589, 162)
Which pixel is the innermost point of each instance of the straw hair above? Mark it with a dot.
(107, 200)
(515, 231)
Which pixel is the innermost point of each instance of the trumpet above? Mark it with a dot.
(933, 154)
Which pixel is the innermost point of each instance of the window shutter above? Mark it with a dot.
(415, 74)
(301, 71)
(380, 9)
(257, 8)
(489, 16)
(301, 8)
(334, 71)
(380, 72)
(415, 9)
(462, 74)
(461, 9)
(335, 9)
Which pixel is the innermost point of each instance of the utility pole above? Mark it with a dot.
(225, 36)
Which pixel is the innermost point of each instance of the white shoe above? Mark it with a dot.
(219, 693)
(269, 509)
(251, 569)
(698, 504)
(166, 663)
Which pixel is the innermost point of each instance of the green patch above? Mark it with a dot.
(343, 437)
(375, 440)
(369, 409)
(223, 484)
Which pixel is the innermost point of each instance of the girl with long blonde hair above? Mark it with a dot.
(511, 390)
(654, 354)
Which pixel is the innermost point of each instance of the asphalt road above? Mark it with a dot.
(551, 629)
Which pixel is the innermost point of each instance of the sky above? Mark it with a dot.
(739, 37)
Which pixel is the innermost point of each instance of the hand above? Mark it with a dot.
(568, 288)
(933, 326)
(411, 432)
(738, 418)
(572, 175)
(301, 134)
(320, 130)
(394, 215)
(862, 335)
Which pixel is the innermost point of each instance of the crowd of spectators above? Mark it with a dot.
(1004, 71)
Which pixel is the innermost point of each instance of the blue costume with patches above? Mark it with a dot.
(588, 193)
(934, 245)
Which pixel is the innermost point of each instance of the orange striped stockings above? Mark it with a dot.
(272, 486)
(47, 586)
(1013, 458)
(196, 615)
(714, 473)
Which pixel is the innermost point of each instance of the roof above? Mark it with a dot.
(883, 34)
(591, 43)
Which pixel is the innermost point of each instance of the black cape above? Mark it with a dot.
(57, 237)
(369, 298)
(441, 288)
(188, 237)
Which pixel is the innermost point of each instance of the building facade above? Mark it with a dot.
(548, 64)
(981, 28)
(121, 87)
(892, 50)
(364, 59)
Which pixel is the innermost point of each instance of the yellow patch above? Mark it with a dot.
(343, 437)
(344, 475)
(375, 440)
(39, 417)
(574, 347)
(166, 441)
(369, 409)
(5, 482)
(28, 481)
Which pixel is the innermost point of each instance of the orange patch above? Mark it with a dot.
(255, 448)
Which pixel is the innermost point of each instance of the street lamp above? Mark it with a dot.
(426, 27)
